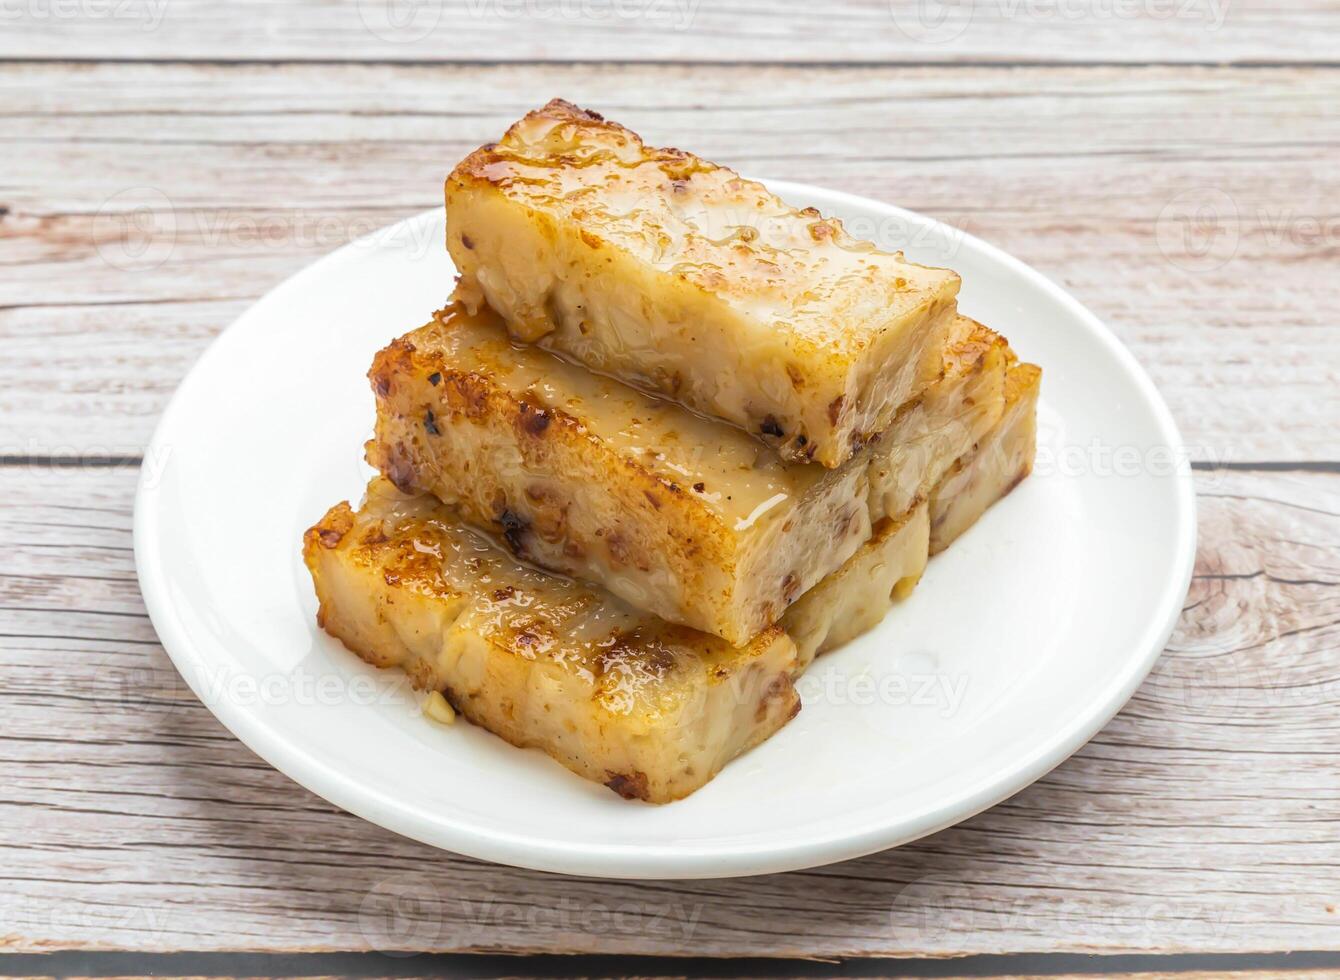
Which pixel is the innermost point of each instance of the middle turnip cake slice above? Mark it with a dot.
(685, 517)
(680, 276)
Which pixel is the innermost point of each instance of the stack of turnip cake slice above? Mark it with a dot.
(670, 439)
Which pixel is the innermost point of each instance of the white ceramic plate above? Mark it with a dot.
(1020, 643)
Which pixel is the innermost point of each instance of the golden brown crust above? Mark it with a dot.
(331, 529)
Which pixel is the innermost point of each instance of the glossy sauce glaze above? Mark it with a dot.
(736, 476)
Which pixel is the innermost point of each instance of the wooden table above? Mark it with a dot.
(1173, 163)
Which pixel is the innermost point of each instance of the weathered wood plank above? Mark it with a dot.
(1203, 818)
(1094, 176)
(918, 31)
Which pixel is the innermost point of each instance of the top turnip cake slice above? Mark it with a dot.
(682, 277)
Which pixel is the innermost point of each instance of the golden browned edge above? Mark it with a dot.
(969, 349)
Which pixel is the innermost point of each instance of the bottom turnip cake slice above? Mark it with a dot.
(650, 709)
(854, 599)
(996, 466)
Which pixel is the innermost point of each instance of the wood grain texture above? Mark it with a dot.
(1202, 818)
(144, 206)
(883, 31)
(1190, 208)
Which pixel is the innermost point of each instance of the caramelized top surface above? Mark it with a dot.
(795, 274)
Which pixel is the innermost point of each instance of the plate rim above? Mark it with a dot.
(672, 861)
